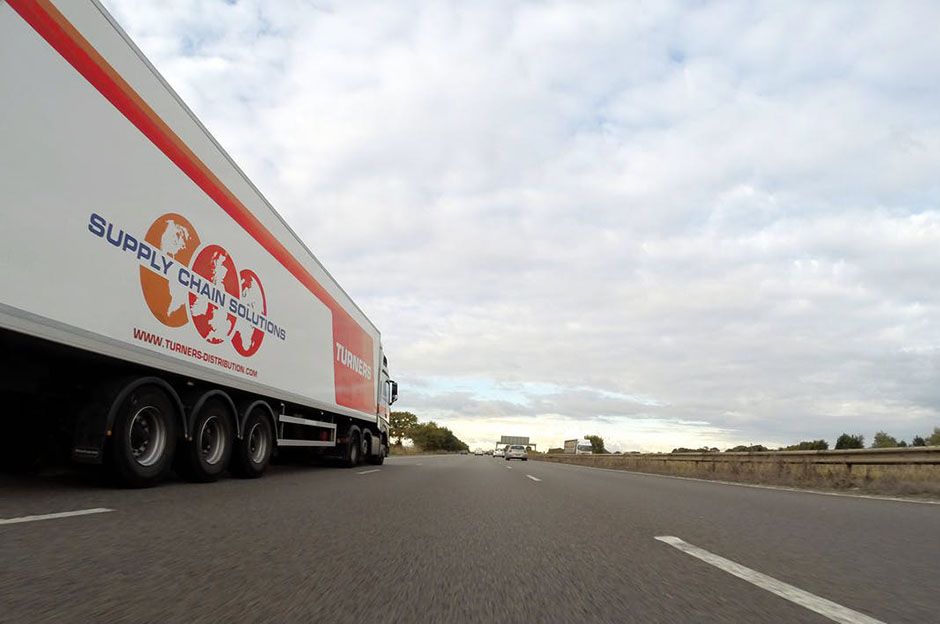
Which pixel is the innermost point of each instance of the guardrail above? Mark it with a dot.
(908, 455)
(913, 470)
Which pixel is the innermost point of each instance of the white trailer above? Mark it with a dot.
(153, 305)
(578, 447)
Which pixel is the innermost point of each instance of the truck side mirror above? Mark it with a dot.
(394, 391)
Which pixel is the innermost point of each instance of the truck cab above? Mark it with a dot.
(584, 447)
(387, 394)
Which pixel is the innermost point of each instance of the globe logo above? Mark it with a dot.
(252, 295)
(167, 299)
(215, 265)
(222, 303)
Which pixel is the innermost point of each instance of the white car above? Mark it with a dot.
(478, 452)
(516, 451)
(499, 453)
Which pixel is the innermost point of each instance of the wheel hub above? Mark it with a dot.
(147, 436)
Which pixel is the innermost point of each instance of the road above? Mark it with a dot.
(457, 539)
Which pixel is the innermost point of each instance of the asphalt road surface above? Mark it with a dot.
(460, 539)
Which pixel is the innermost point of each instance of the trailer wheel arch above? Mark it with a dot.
(129, 386)
(204, 397)
(247, 407)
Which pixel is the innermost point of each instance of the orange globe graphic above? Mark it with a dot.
(175, 237)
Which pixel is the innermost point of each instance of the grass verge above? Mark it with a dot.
(860, 472)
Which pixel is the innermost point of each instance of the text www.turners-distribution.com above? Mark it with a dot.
(192, 352)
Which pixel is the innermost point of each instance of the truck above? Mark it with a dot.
(156, 312)
(578, 447)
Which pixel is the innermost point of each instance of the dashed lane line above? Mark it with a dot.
(827, 608)
(533, 478)
(54, 516)
(369, 471)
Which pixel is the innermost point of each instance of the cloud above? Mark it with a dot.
(714, 213)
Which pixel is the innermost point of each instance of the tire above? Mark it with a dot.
(144, 432)
(364, 447)
(507, 459)
(204, 458)
(353, 455)
(251, 454)
(380, 459)
(525, 459)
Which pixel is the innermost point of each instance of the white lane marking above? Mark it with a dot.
(827, 608)
(779, 488)
(369, 471)
(509, 467)
(533, 478)
(53, 516)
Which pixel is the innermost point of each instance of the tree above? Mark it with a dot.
(808, 445)
(902, 444)
(883, 440)
(597, 443)
(918, 441)
(400, 425)
(934, 439)
(430, 436)
(754, 448)
(552, 451)
(847, 441)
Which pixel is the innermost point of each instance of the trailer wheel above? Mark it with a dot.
(378, 460)
(204, 458)
(251, 454)
(143, 437)
(353, 449)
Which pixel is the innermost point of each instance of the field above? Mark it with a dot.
(893, 472)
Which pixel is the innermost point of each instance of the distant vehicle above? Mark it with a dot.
(463, 452)
(478, 452)
(516, 451)
(578, 447)
(499, 453)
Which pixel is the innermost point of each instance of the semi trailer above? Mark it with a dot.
(578, 447)
(156, 312)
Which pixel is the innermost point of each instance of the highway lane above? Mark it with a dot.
(454, 539)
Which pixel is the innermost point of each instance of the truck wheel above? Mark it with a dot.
(378, 460)
(251, 454)
(204, 458)
(353, 449)
(143, 437)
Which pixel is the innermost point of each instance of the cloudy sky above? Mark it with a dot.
(666, 223)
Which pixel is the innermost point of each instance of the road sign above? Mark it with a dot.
(514, 440)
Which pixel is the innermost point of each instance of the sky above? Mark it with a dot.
(665, 223)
